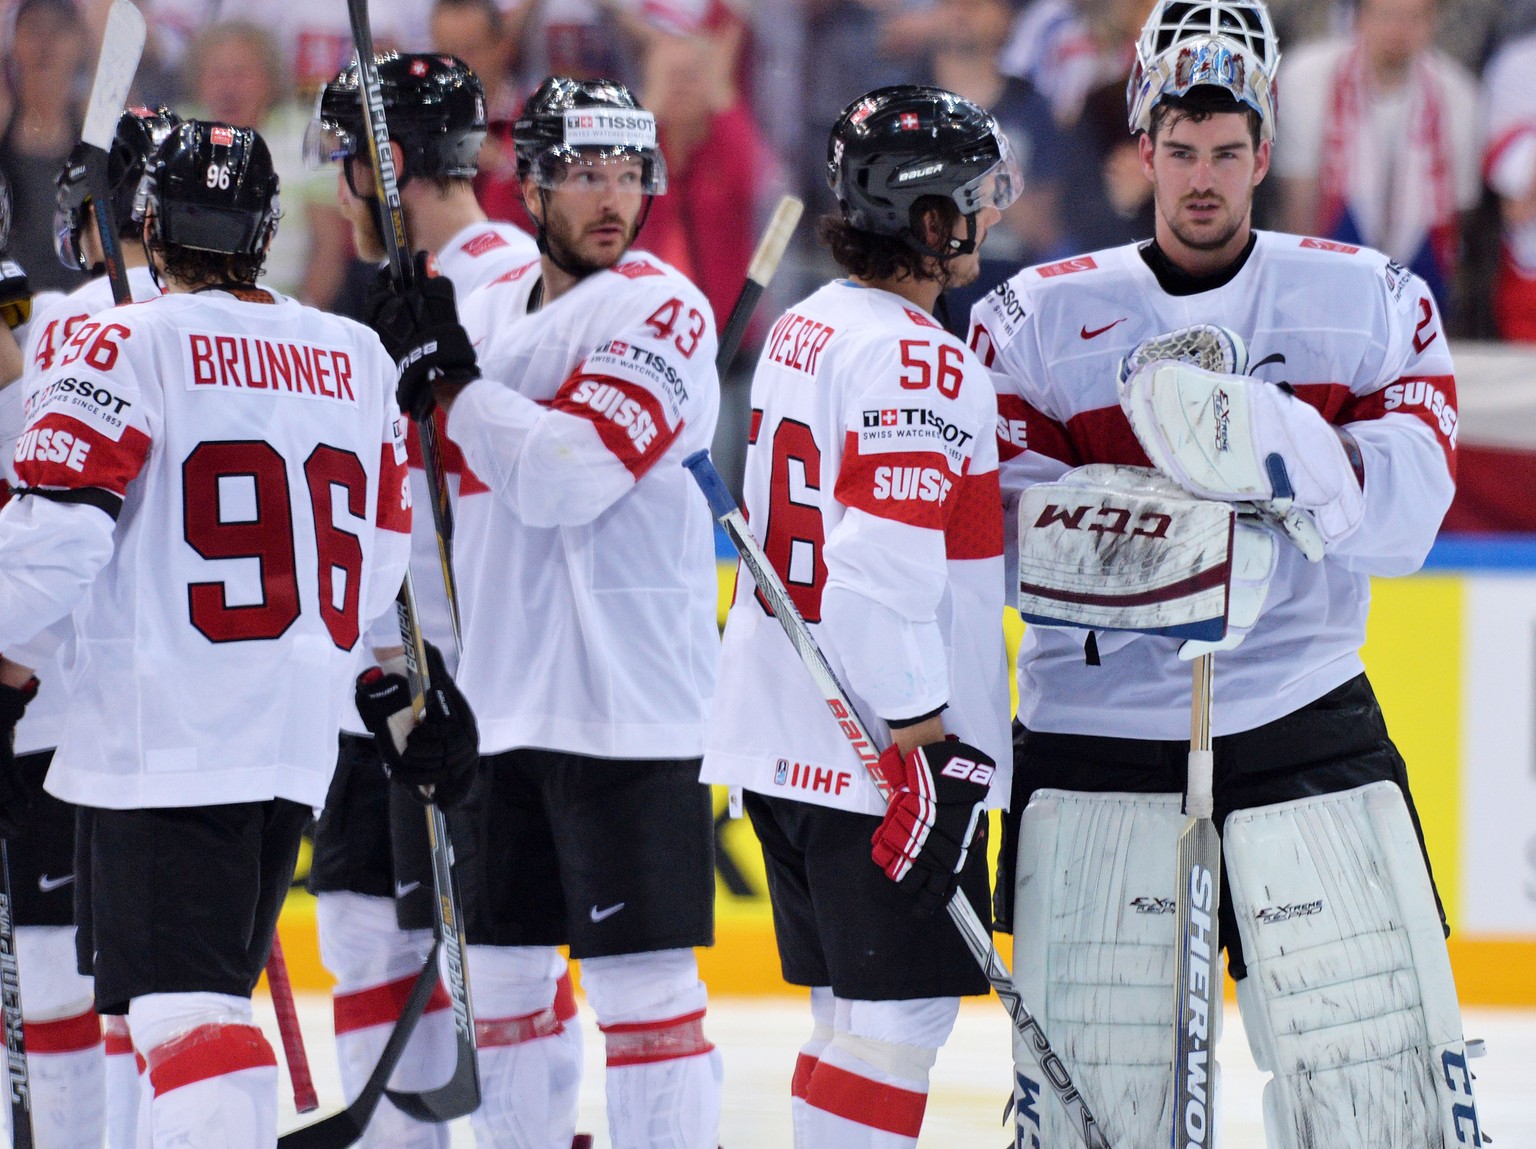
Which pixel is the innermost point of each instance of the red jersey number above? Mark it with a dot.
(664, 321)
(795, 536)
(923, 366)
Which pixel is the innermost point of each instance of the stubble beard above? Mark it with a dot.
(566, 256)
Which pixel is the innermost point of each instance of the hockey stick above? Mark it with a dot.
(765, 261)
(121, 46)
(304, 1099)
(10, 1003)
(1197, 970)
(975, 935)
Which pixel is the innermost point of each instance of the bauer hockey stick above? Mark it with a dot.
(304, 1098)
(1197, 971)
(765, 261)
(975, 935)
(10, 1003)
(122, 44)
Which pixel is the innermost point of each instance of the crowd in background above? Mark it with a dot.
(1405, 125)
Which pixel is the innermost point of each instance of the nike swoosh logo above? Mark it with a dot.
(48, 885)
(1086, 334)
(1267, 360)
(598, 915)
(403, 888)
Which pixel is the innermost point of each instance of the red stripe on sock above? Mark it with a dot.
(565, 998)
(866, 1102)
(207, 1052)
(66, 1035)
(380, 1004)
(493, 1032)
(647, 1042)
(805, 1065)
(117, 1038)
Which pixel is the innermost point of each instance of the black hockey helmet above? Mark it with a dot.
(566, 119)
(210, 187)
(434, 106)
(139, 133)
(896, 145)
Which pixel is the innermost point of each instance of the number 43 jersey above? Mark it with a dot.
(216, 487)
(871, 482)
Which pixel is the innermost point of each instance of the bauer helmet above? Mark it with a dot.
(1226, 44)
(139, 132)
(210, 187)
(894, 146)
(567, 119)
(434, 106)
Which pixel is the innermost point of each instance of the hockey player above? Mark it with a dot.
(15, 294)
(371, 868)
(1344, 430)
(214, 483)
(586, 570)
(872, 480)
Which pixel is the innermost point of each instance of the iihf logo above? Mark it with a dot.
(781, 772)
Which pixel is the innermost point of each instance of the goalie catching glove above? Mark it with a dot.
(17, 789)
(419, 327)
(436, 759)
(936, 796)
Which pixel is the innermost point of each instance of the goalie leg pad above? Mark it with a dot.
(1349, 998)
(1094, 946)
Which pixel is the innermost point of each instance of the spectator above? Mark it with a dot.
(236, 77)
(1510, 165)
(48, 50)
(1465, 30)
(1111, 200)
(1379, 134)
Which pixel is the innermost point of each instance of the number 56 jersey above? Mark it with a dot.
(216, 487)
(871, 482)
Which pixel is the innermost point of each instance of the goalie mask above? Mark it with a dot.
(1184, 44)
(139, 132)
(896, 145)
(569, 120)
(210, 187)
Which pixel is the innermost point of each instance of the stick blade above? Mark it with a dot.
(121, 46)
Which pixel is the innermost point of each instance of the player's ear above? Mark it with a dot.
(1261, 158)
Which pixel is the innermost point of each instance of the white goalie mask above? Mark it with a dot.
(1227, 44)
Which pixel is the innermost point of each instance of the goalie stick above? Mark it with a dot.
(765, 261)
(10, 1003)
(121, 46)
(1197, 968)
(974, 934)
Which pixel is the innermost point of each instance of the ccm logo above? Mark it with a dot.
(1106, 520)
(925, 483)
(967, 771)
(1423, 393)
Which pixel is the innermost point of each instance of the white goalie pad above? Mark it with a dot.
(1094, 939)
(1349, 998)
(1123, 548)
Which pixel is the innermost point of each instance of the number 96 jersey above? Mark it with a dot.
(871, 482)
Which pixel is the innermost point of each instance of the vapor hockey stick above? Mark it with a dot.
(10, 1003)
(122, 44)
(1197, 970)
(461, 1094)
(304, 1099)
(975, 935)
(765, 261)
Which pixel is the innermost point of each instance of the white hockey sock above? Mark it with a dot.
(810, 1057)
(530, 1047)
(663, 1084)
(122, 1072)
(64, 1061)
(853, 1104)
(364, 1019)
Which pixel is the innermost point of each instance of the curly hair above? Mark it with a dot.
(191, 266)
(868, 256)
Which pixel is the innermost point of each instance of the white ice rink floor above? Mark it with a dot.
(758, 1038)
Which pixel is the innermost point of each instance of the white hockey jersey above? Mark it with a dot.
(585, 553)
(1354, 334)
(216, 487)
(872, 484)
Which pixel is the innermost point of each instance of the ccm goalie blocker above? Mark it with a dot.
(1349, 999)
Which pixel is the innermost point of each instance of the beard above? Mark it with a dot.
(1207, 241)
(564, 248)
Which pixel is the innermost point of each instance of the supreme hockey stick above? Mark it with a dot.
(304, 1098)
(122, 44)
(1197, 969)
(461, 1093)
(10, 1003)
(765, 261)
(975, 935)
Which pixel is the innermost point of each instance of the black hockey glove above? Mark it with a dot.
(931, 822)
(16, 789)
(15, 294)
(420, 329)
(442, 751)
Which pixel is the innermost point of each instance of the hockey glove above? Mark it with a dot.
(420, 329)
(441, 752)
(930, 824)
(16, 789)
(15, 294)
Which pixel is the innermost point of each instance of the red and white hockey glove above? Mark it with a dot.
(930, 824)
(16, 789)
(442, 751)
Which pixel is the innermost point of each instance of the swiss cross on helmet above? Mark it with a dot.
(434, 106)
(896, 145)
(1187, 44)
(210, 187)
(568, 119)
(139, 133)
